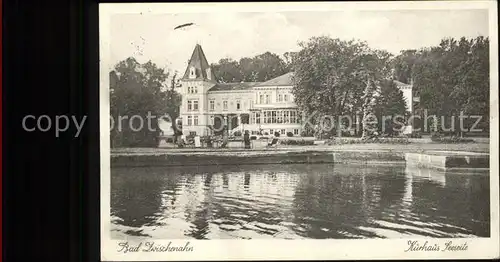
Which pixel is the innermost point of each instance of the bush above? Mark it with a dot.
(451, 140)
(383, 140)
(294, 142)
(414, 135)
(289, 134)
(306, 134)
(436, 136)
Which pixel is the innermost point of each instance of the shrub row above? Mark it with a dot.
(298, 142)
(384, 140)
(451, 140)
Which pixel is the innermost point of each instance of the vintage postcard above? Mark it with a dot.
(271, 131)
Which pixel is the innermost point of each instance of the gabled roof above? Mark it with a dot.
(283, 80)
(233, 86)
(200, 63)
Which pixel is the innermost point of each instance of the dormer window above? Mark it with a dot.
(192, 72)
(209, 74)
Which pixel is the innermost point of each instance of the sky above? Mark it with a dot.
(238, 34)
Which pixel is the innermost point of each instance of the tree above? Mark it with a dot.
(265, 67)
(173, 101)
(136, 95)
(289, 58)
(260, 68)
(403, 65)
(472, 91)
(373, 68)
(227, 71)
(335, 78)
(453, 77)
(389, 104)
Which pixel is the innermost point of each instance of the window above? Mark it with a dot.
(285, 97)
(286, 117)
(195, 120)
(257, 118)
(192, 105)
(192, 72)
(190, 121)
(195, 90)
(261, 101)
(283, 131)
(280, 98)
(293, 117)
(280, 117)
(212, 105)
(273, 117)
(224, 105)
(295, 131)
(238, 105)
(252, 120)
(189, 90)
(271, 131)
(212, 120)
(268, 99)
(192, 133)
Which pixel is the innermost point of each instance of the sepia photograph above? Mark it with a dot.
(235, 131)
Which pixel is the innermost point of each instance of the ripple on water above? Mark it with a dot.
(293, 201)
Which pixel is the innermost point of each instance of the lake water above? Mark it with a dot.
(297, 201)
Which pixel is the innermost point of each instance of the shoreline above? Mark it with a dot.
(354, 153)
(403, 148)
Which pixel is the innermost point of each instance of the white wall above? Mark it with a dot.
(245, 98)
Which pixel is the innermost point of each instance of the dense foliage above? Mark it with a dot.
(390, 108)
(450, 78)
(338, 78)
(138, 92)
(257, 69)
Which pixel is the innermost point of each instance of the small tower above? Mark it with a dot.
(196, 81)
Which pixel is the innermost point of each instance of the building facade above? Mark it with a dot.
(209, 107)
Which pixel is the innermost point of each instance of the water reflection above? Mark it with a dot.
(297, 201)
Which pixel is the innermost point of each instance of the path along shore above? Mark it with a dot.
(397, 148)
(349, 153)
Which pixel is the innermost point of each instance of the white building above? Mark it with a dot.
(266, 107)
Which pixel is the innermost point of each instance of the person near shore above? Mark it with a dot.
(225, 140)
(246, 139)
